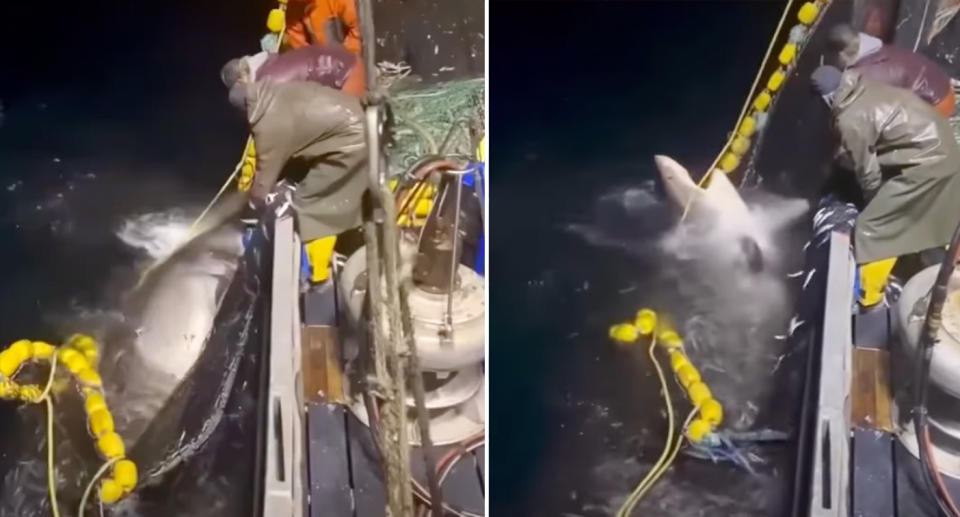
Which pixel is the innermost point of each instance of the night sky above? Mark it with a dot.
(582, 96)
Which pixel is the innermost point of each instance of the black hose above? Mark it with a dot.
(924, 353)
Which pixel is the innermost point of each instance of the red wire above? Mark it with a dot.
(937, 478)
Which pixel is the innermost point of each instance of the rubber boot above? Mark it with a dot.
(319, 253)
(873, 281)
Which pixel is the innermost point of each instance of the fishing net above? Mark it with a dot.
(445, 118)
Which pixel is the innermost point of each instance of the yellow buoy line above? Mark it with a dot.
(707, 412)
(746, 126)
(79, 355)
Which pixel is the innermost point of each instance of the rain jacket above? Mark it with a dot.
(323, 128)
(906, 160)
(328, 21)
(330, 66)
(899, 67)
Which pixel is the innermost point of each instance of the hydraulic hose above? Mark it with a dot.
(924, 353)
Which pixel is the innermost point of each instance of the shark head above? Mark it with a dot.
(719, 199)
(717, 209)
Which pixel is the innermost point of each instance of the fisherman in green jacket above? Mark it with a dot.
(321, 129)
(906, 160)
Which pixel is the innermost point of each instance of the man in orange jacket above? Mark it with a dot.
(325, 22)
(331, 23)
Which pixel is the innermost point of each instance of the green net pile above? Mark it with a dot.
(427, 117)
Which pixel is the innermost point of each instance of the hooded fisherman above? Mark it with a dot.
(321, 129)
(906, 161)
(894, 66)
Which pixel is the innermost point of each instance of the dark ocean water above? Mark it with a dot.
(583, 95)
(111, 110)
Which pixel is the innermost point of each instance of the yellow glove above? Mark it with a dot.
(245, 181)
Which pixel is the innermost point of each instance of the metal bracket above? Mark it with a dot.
(830, 485)
(284, 469)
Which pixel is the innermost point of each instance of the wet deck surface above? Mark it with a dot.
(887, 480)
(344, 460)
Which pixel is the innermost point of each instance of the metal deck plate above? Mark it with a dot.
(329, 463)
(369, 490)
(872, 329)
(873, 474)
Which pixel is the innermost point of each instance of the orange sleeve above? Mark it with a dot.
(296, 35)
(356, 83)
(346, 11)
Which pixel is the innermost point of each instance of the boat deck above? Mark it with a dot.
(886, 478)
(863, 461)
(339, 452)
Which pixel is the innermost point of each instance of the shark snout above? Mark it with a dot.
(666, 165)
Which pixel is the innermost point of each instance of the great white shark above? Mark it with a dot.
(146, 355)
(169, 317)
(719, 210)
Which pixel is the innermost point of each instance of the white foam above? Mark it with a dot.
(158, 234)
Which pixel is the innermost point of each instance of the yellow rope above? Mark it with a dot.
(236, 170)
(213, 201)
(210, 205)
(670, 459)
(746, 104)
(51, 466)
(634, 497)
(93, 482)
(410, 201)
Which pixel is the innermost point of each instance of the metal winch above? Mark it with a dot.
(944, 390)
(446, 303)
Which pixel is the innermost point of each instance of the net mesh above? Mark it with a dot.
(445, 118)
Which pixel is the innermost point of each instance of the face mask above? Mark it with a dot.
(238, 96)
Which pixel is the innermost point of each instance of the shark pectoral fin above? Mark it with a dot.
(723, 194)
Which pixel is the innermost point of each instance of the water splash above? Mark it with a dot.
(158, 234)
